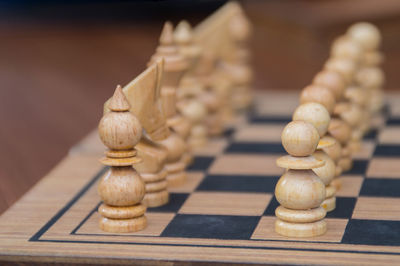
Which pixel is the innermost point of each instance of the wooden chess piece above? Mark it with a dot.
(240, 31)
(153, 172)
(300, 213)
(317, 115)
(174, 67)
(143, 95)
(190, 88)
(121, 187)
(206, 73)
(372, 79)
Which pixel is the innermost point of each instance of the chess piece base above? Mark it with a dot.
(156, 199)
(176, 179)
(123, 225)
(300, 229)
(300, 216)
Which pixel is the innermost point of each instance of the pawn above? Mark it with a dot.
(317, 115)
(121, 187)
(300, 213)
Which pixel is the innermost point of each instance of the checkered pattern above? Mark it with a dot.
(230, 189)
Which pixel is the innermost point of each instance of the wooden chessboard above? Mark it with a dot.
(225, 211)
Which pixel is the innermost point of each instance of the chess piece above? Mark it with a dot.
(143, 95)
(369, 38)
(153, 172)
(317, 115)
(300, 213)
(210, 97)
(174, 67)
(121, 187)
(190, 88)
(240, 32)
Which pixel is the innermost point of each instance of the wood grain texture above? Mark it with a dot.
(59, 59)
(66, 200)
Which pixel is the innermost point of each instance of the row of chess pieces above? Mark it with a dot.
(335, 112)
(194, 84)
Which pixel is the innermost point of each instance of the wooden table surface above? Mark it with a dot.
(57, 70)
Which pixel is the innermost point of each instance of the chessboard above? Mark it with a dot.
(225, 211)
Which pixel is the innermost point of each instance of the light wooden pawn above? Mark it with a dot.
(121, 187)
(319, 117)
(240, 31)
(300, 213)
(214, 100)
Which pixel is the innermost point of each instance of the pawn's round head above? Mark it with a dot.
(333, 80)
(300, 138)
(318, 94)
(120, 130)
(366, 34)
(370, 77)
(314, 113)
(347, 48)
(345, 66)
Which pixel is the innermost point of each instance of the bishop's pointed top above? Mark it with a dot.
(183, 32)
(118, 102)
(166, 37)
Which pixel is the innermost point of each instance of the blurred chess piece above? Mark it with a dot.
(190, 87)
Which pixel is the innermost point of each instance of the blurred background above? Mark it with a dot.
(59, 62)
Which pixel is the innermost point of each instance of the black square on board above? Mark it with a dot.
(201, 163)
(228, 132)
(372, 232)
(237, 183)
(371, 135)
(176, 201)
(387, 150)
(261, 147)
(381, 187)
(270, 119)
(359, 168)
(393, 121)
(344, 208)
(270, 210)
(211, 226)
